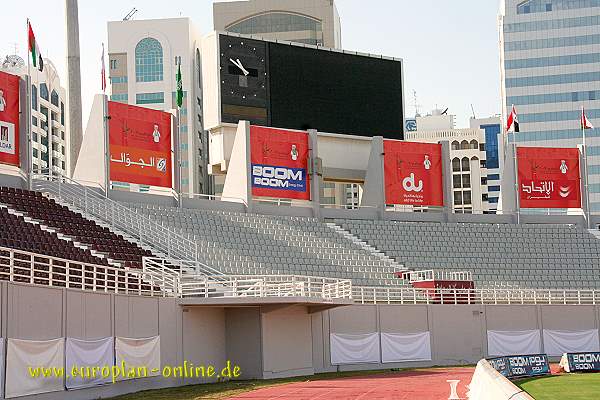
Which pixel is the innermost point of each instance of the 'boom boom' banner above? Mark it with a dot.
(413, 173)
(279, 161)
(9, 119)
(140, 145)
(549, 177)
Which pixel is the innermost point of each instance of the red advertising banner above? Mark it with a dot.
(9, 119)
(413, 173)
(279, 163)
(140, 145)
(549, 177)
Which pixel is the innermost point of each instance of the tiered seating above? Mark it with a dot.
(236, 243)
(75, 226)
(534, 256)
(17, 234)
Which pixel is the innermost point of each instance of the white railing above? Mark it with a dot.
(261, 286)
(142, 228)
(26, 267)
(406, 295)
(431, 275)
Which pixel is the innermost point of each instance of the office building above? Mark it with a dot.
(550, 63)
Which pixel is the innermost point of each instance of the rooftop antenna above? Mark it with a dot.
(473, 111)
(130, 15)
(416, 104)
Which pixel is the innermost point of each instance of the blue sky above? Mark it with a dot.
(450, 49)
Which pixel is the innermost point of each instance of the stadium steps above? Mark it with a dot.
(374, 251)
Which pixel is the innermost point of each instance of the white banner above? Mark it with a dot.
(138, 353)
(27, 357)
(86, 360)
(398, 347)
(510, 343)
(558, 342)
(354, 349)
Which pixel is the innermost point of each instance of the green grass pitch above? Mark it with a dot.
(561, 387)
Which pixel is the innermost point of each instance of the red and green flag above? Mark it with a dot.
(34, 49)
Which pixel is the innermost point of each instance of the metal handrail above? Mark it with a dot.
(407, 295)
(430, 275)
(26, 267)
(119, 217)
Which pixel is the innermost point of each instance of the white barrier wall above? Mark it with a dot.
(279, 340)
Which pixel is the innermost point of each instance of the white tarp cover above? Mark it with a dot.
(22, 354)
(138, 353)
(398, 347)
(88, 354)
(510, 343)
(558, 342)
(354, 349)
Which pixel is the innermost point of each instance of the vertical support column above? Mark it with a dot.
(374, 187)
(25, 146)
(74, 82)
(508, 184)
(105, 118)
(238, 181)
(447, 180)
(585, 194)
(315, 172)
(176, 141)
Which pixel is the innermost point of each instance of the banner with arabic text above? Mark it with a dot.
(9, 119)
(140, 145)
(413, 173)
(279, 160)
(549, 177)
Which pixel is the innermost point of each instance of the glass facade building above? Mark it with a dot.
(550, 63)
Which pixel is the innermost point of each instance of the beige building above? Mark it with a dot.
(50, 142)
(467, 157)
(313, 22)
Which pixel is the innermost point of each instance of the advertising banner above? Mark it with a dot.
(413, 173)
(140, 145)
(584, 362)
(279, 161)
(521, 366)
(549, 177)
(9, 119)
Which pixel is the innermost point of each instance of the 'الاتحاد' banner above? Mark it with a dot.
(9, 119)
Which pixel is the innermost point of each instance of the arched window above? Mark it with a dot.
(54, 98)
(311, 29)
(455, 145)
(464, 145)
(466, 165)
(148, 61)
(474, 144)
(456, 164)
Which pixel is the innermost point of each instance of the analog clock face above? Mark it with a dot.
(244, 80)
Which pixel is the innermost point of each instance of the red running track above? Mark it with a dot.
(427, 384)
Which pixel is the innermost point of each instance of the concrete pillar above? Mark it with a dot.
(447, 180)
(374, 187)
(316, 174)
(508, 185)
(585, 195)
(75, 127)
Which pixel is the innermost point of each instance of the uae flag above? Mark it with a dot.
(585, 123)
(513, 121)
(34, 49)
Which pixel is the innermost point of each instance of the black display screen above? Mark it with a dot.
(334, 92)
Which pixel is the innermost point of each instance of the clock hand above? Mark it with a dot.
(242, 67)
(238, 64)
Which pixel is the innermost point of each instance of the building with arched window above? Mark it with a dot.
(311, 22)
(143, 59)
